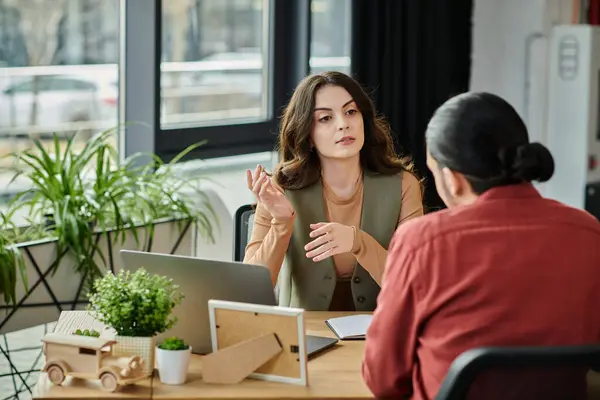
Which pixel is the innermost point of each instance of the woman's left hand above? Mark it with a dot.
(331, 239)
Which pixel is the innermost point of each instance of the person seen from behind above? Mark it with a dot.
(501, 266)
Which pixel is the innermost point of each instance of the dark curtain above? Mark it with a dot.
(412, 55)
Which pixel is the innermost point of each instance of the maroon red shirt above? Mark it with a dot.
(511, 269)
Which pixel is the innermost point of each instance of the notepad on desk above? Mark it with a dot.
(352, 327)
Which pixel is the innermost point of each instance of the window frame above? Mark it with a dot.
(289, 52)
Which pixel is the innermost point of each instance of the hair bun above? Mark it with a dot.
(532, 162)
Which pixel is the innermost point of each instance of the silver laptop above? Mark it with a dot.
(201, 280)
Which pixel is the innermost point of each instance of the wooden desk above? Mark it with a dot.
(334, 374)
(77, 389)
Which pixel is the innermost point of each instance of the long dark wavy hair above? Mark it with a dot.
(299, 166)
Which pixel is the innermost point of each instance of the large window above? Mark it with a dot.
(228, 68)
(59, 64)
(330, 35)
(58, 71)
(214, 61)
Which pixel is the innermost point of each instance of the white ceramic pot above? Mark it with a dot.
(173, 365)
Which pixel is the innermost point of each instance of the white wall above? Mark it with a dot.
(227, 176)
(228, 191)
(508, 36)
(511, 45)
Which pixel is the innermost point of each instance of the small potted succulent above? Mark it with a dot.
(138, 306)
(173, 359)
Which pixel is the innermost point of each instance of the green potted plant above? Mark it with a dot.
(77, 194)
(72, 194)
(173, 359)
(138, 306)
(12, 264)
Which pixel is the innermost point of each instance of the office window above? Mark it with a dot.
(58, 74)
(228, 68)
(58, 71)
(214, 62)
(330, 35)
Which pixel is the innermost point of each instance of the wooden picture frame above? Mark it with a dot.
(234, 323)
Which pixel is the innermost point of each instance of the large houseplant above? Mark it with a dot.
(74, 194)
(11, 264)
(138, 306)
(11, 260)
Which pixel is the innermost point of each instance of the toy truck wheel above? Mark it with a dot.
(56, 374)
(109, 382)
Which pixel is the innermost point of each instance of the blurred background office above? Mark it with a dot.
(179, 72)
(226, 70)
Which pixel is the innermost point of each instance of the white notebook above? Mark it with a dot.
(350, 327)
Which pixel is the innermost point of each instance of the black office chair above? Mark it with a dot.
(244, 220)
(520, 373)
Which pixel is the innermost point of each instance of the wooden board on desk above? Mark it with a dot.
(232, 323)
(333, 374)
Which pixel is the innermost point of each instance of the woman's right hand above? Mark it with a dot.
(271, 197)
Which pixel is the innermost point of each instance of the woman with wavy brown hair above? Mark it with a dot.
(326, 215)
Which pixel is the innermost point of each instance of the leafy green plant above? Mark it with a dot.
(135, 303)
(164, 192)
(87, 332)
(173, 343)
(10, 261)
(74, 195)
(69, 206)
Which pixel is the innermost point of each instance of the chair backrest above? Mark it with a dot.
(520, 373)
(244, 221)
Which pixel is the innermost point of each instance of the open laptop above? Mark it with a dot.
(201, 280)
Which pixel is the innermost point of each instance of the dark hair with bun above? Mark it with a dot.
(482, 136)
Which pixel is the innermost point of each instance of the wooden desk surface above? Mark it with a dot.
(334, 374)
(78, 389)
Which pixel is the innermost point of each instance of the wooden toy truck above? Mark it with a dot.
(89, 358)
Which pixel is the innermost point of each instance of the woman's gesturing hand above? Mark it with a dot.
(271, 197)
(331, 239)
